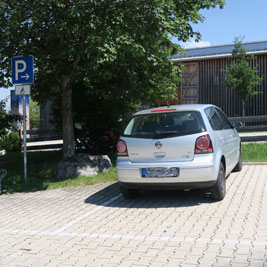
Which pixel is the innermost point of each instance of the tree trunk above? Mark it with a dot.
(243, 108)
(67, 119)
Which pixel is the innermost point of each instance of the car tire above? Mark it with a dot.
(218, 191)
(129, 193)
(238, 166)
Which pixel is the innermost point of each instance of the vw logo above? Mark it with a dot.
(158, 145)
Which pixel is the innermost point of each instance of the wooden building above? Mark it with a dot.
(204, 78)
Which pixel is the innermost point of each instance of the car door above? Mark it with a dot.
(233, 139)
(221, 135)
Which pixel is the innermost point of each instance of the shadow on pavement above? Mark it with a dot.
(150, 198)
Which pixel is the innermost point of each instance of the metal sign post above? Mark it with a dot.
(3, 174)
(24, 90)
(22, 74)
(24, 138)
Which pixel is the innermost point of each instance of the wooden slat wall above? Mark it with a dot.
(212, 88)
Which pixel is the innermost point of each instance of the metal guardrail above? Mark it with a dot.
(251, 119)
(35, 135)
(3, 173)
(254, 137)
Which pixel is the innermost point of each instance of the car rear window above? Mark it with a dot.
(165, 125)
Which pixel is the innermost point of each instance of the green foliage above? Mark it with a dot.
(34, 114)
(11, 142)
(117, 51)
(6, 119)
(240, 75)
(254, 152)
(243, 79)
(8, 141)
(42, 168)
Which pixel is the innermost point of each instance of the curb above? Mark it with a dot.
(254, 163)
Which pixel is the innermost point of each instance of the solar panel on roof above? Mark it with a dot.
(224, 49)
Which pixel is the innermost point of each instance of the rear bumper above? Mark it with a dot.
(169, 186)
(199, 173)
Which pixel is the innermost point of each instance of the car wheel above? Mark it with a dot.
(238, 166)
(219, 189)
(129, 193)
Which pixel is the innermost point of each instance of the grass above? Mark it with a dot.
(254, 152)
(42, 173)
(42, 169)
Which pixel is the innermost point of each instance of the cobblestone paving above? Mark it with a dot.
(95, 226)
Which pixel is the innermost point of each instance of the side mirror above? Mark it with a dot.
(237, 124)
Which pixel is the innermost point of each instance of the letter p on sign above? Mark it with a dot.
(20, 66)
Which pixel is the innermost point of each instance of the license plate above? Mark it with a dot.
(160, 172)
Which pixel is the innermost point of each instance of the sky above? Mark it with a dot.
(238, 18)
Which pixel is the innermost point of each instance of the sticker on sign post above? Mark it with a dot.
(23, 89)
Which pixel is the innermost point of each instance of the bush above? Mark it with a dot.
(11, 142)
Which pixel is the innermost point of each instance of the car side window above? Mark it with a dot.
(214, 119)
(226, 122)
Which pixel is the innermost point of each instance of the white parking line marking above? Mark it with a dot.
(71, 223)
(136, 237)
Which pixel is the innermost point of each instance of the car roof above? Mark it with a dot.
(183, 107)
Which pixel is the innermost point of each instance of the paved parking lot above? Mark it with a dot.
(95, 226)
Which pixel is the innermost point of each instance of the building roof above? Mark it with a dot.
(220, 51)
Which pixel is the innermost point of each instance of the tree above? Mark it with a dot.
(6, 118)
(34, 114)
(92, 43)
(240, 75)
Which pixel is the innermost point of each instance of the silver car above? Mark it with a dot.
(178, 147)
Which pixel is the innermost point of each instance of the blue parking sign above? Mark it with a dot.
(22, 70)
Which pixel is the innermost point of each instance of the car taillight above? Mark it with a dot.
(203, 145)
(122, 148)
